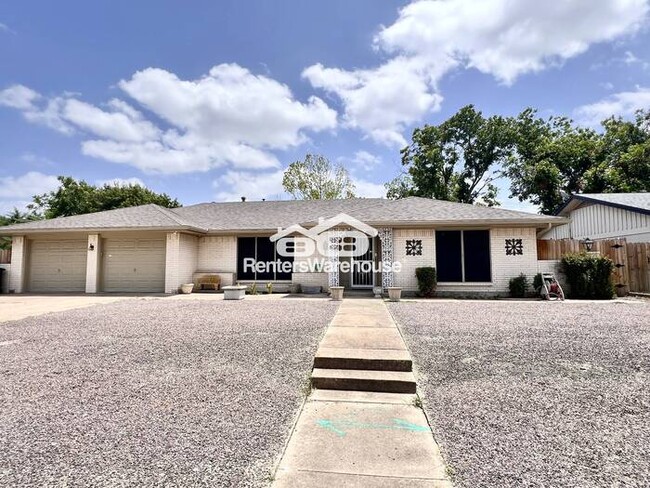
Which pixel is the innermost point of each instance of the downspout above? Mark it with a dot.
(543, 231)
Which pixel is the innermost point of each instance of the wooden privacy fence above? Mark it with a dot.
(5, 256)
(631, 260)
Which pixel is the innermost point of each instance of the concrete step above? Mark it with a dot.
(359, 359)
(363, 380)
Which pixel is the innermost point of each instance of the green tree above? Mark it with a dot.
(625, 163)
(74, 197)
(400, 187)
(316, 178)
(457, 160)
(15, 217)
(554, 158)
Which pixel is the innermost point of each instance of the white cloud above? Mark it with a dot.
(19, 97)
(121, 182)
(254, 186)
(502, 38)
(381, 101)
(622, 104)
(124, 124)
(228, 118)
(368, 189)
(17, 191)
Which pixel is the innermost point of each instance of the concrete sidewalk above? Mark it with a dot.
(354, 438)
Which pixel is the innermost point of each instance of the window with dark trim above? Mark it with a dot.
(463, 256)
(261, 249)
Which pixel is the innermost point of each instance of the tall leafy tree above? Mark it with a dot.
(316, 178)
(74, 197)
(625, 163)
(458, 160)
(554, 158)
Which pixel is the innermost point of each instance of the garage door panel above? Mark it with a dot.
(57, 266)
(133, 265)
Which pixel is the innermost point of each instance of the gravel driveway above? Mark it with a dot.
(154, 392)
(535, 394)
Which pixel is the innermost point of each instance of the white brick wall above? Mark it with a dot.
(188, 257)
(181, 260)
(171, 263)
(18, 262)
(504, 266)
(406, 277)
(93, 262)
(217, 253)
(311, 279)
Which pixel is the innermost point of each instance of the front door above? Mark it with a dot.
(362, 272)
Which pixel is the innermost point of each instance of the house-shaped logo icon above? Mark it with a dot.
(341, 235)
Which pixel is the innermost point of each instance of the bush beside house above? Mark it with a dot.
(588, 276)
(427, 281)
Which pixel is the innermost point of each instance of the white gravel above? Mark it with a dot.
(154, 392)
(535, 394)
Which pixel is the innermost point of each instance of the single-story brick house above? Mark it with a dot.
(475, 249)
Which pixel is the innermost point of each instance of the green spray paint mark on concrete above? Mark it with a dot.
(340, 427)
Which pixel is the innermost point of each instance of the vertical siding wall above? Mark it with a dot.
(406, 277)
(601, 222)
(217, 254)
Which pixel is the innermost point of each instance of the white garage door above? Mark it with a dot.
(57, 266)
(133, 265)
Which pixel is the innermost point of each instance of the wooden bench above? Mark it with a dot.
(208, 282)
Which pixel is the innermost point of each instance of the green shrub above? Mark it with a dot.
(588, 276)
(518, 286)
(427, 281)
(538, 281)
(269, 288)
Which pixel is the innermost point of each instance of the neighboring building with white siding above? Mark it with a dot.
(604, 216)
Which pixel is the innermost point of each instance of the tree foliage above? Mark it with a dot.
(316, 178)
(15, 217)
(457, 160)
(545, 159)
(74, 197)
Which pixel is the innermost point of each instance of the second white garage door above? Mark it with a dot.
(133, 265)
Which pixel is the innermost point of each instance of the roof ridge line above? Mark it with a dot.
(168, 212)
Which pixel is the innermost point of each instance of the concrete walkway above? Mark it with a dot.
(351, 437)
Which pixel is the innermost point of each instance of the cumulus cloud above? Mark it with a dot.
(229, 117)
(17, 191)
(622, 104)
(367, 189)
(501, 38)
(254, 186)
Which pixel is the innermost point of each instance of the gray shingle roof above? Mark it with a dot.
(631, 201)
(270, 215)
(143, 217)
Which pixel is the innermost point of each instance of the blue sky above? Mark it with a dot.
(211, 102)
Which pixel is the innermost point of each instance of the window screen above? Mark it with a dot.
(463, 256)
(476, 247)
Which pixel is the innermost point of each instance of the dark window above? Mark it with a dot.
(463, 256)
(245, 249)
(476, 249)
(449, 255)
(260, 249)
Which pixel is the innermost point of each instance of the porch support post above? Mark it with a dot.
(386, 239)
(333, 241)
(93, 262)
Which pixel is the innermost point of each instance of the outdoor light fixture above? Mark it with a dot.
(91, 247)
(589, 244)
